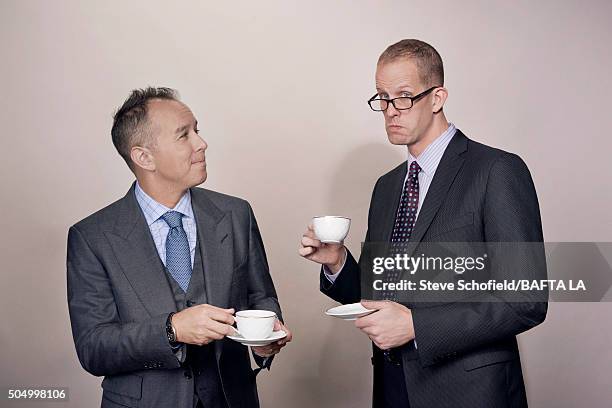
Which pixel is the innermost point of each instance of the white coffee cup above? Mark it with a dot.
(255, 324)
(331, 228)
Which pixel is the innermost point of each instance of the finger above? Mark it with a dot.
(208, 336)
(230, 310)
(266, 351)
(310, 242)
(273, 350)
(310, 233)
(287, 338)
(365, 321)
(273, 347)
(374, 304)
(284, 341)
(379, 345)
(260, 352)
(370, 331)
(306, 251)
(277, 325)
(219, 328)
(221, 315)
(204, 342)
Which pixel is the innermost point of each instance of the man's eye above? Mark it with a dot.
(405, 95)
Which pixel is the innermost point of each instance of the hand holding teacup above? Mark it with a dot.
(275, 347)
(323, 241)
(260, 324)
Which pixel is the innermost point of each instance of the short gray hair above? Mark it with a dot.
(130, 124)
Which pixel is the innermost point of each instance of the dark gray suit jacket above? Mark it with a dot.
(119, 299)
(467, 354)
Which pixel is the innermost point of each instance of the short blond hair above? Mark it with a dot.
(427, 59)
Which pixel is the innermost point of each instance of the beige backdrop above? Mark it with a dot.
(280, 89)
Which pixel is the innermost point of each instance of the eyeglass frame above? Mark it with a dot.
(413, 99)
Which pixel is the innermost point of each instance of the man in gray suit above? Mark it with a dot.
(155, 278)
(450, 189)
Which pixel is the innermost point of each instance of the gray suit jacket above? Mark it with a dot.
(119, 299)
(467, 354)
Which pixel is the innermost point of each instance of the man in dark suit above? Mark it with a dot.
(155, 278)
(451, 189)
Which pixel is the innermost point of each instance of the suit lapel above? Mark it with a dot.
(137, 255)
(449, 165)
(216, 248)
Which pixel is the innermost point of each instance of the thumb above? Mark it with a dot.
(230, 310)
(373, 304)
(277, 325)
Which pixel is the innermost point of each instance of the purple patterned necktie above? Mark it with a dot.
(404, 222)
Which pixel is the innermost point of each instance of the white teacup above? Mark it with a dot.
(331, 228)
(255, 324)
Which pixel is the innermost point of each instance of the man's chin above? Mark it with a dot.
(199, 180)
(203, 178)
(399, 139)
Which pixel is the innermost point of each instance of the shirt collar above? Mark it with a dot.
(153, 210)
(430, 157)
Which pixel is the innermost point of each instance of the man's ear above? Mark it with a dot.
(143, 158)
(439, 98)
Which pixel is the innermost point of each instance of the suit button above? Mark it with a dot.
(190, 303)
(187, 375)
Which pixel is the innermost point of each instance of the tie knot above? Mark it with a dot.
(173, 218)
(414, 169)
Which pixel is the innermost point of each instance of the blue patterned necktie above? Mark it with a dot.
(404, 222)
(178, 255)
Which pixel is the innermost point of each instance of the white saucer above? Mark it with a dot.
(275, 336)
(349, 312)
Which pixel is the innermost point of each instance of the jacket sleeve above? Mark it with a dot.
(261, 291)
(104, 344)
(511, 214)
(347, 286)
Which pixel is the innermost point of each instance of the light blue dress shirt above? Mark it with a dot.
(153, 211)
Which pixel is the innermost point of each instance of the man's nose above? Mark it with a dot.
(201, 143)
(391, 111)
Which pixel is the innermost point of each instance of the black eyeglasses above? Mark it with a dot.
(401, 103)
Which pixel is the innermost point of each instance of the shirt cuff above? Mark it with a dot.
(332, 276)
(180, 353)
(265, 363)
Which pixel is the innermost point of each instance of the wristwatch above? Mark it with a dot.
(171, 332)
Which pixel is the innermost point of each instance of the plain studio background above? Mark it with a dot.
(280, 91)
